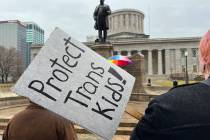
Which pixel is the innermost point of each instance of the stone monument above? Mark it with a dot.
(105, 48)
(137, 70)
(100, 15)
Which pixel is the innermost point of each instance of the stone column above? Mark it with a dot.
(178, 61)
(126, 21)
(115, 23)
(121, 22)
(160, 63)
(112, 23)
(129, 53)
(189, 61)
(150, 68)
(142, 24)
(167, 61)
(133, 23)
(137, 23)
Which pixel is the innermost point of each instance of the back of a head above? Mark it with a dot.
(102, 2)
(205, 49)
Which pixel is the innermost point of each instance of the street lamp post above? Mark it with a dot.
(186, 71)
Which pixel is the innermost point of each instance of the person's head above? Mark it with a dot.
(205, 54)
(102, 1)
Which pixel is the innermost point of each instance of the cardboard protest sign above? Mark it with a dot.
(73, 81)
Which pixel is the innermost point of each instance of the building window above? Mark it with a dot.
(115, 53)
(183, 52)
(30, 26)
(195, 68)
(194, 52)
(183, 68)
(134, 52)
(125, 53)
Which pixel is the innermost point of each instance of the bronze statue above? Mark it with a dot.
(101, 20)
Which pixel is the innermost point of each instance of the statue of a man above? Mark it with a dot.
(101, 20)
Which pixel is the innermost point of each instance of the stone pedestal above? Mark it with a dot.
(105, 50)
(137, 70)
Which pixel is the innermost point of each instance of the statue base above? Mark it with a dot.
(104, 49)
(137, 70)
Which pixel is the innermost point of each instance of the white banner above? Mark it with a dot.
(75, 82)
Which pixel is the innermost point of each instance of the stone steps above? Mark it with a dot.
(125, 128)
(120, 130)
(1, 132)
(3, 125)
(8, 102)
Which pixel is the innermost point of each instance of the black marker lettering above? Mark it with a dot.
(92, 75)
(94, 87)
(102, 112)
(55, 62)
(104, 98)
(75, 57)
(78, 91)
(116, 84)
(77, 101)
(50, 84)
(115, 94)
(68, 41)
(66, 60)
(97, 68)
(56, 74)
(40, 89)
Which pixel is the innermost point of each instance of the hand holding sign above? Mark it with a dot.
(73, 81)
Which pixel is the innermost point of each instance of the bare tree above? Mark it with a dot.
(2, 52)
(9, 63)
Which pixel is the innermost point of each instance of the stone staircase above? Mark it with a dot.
(3, 124)
(9, 102)
(125, 128)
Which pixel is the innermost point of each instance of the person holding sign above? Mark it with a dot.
(37, 123)
(183, 113)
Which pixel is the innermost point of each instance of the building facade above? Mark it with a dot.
(34, 36)
(34, 33)
(163, 56)
(13, 35)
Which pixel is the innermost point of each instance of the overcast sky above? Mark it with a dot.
(168, 18)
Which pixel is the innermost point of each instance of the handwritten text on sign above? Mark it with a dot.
(70, 79)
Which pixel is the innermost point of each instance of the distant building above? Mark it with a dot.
(13, 35)
(34, 50)
(34, 36)
(163, 57)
